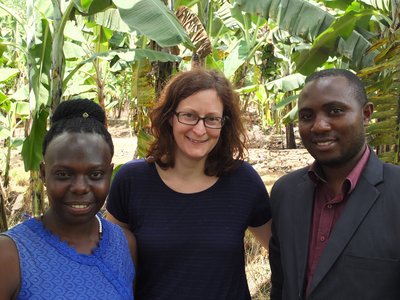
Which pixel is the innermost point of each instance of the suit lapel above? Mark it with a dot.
(358, 204)
(303, 207)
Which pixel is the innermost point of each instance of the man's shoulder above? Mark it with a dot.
(391, 172)
(376, 163)
(391, 167)
(291, 179)
(295, 175)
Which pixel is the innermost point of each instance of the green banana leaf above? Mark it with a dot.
(154, 20)
(302, 18)
(129, 55)
(32, 146)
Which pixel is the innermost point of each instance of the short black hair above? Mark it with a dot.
(354, 81)
(78, 116)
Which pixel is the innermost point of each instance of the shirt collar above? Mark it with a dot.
(349, 184)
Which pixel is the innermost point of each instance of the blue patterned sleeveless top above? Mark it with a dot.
(50, 269)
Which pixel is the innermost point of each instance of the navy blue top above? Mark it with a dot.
(190, 246)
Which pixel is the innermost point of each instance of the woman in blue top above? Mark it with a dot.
(190, 202)
(70, 252)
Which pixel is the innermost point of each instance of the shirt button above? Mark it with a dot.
(322, 239)
(329, 206)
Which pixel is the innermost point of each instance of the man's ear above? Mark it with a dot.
(42, 171)
(368, 109)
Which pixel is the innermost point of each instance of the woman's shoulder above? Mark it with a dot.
(110, 226)
(135, 167)
(8, 248)
(244, 167)
(245, 175)
(23, 229)
(135, 164)
(9, 261)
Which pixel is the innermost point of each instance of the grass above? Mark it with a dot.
(257, 268)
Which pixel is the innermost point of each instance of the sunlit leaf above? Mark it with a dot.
(7, 73)
(236, 58)
(22, 108)
(73, 50)
(285, 101)
(287, 83)
(144, 139)
(154, 20)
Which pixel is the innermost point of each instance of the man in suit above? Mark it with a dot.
(336, 223)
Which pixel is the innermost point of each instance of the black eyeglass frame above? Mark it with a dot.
(222, 120)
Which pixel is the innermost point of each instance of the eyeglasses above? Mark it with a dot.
(192, 119)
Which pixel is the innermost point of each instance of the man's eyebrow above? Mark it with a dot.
(334, 102)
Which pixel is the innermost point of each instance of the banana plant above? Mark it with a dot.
(328, 35)
(382, 82)
(143, 16)
(197, 33)
(45, 52)
(12, 114)
(241, 50)
(30, 58)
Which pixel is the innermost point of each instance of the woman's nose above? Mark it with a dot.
(80, 185)
(200, 128)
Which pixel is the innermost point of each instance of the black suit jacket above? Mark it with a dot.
(362, 256)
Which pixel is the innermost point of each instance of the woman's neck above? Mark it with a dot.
(187, 176)
(84, 238)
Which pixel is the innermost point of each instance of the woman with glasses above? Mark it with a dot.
(191, 200)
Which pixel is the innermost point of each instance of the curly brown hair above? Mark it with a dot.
(231, 147)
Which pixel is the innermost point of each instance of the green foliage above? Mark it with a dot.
(287, 84)
(328, 43)
(32, 147)
(143, 94)
(152, 19)
(383, 82)
(329, 36)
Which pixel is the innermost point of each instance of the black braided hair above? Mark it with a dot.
(81, 116)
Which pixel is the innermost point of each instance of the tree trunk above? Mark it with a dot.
(57, 68)
(36, 193)
(163, 70)
(163, 74)
(397, 150)
(290, 138)
(100, 88)
(7, 162)
(3, 216)
(58, 59)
